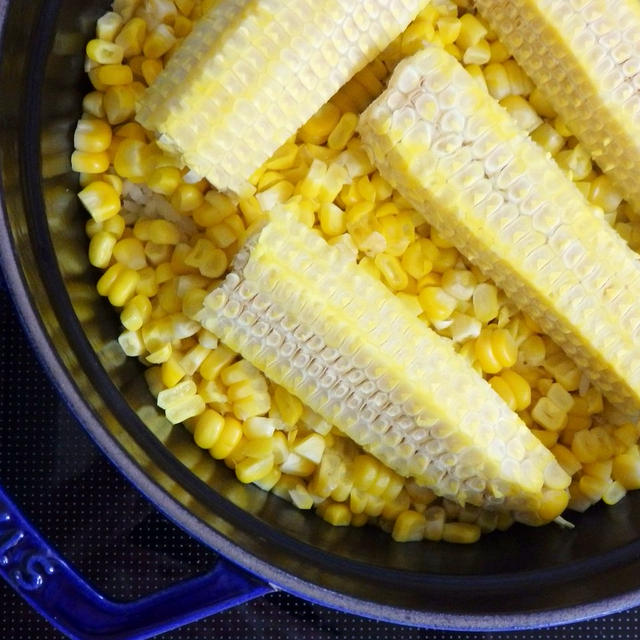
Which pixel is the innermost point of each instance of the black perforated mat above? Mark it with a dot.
(122, 544)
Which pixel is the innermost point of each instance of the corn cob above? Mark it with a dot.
(253, 71)
(459, 159)
(585, 57)
(316, 323)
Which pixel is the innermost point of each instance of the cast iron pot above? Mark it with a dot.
(521, 578)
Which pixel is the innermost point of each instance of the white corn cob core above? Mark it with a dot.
(585, 57)
(319, 325)
(253, 71)
(459, 158)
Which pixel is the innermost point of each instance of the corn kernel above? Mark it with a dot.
(318, 128)
(101, 200)
(87, 162)
(108, 26)
(436, 303)
(343, 131)
(136, 312)
(604, 195)
(104, 52)
(101, 249)
(130, 252)
(229, 438)
(255, 469)
(522, 112)
(392, 272)
(110, 75)
(497, 80)
(478, 53)
(461, 532)
(158, 41)
(132, 36)
(92, 135)
(164, 180)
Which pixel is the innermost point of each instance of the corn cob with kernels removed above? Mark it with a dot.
(584, 55)
(253, 71)
(303, 312)
(460, 160)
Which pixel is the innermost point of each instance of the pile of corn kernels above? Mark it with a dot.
(164, 239)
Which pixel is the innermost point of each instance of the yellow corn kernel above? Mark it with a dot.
(289, 407)
(478, 53)
(163, 232)
(592, 488)
(364, 471)
(110, 75)
(561, 127)
(448, 29)
(434, 523)
(409, 527)
(171, 372)
(548, 438)
(532, 351)
(147, 285)
(575, 162)
(104, 52)
(519, 81)
(627, 434)
(548, 138)
(88, 162)
(222, 235)
(217, 360)
(93, 105)
(101, 249)
(336, 514)
(130, 252)
(318, 128)
(495, 349)
(101, 200)
(398, 232)
(92, 135)
(132, 37)
(563, 370)
(158, 41)
(520, 388)
(255, 469)
(503, 389)
(332, 219)
(131, 159)
(186, 198)
(136, 312)
(585, 446)
(310, 447)
(164, 180)
(228, 439)
(547, 414)
(461, 532)
(417, 260)
(446, 258)
(626, 469)
(436, 303)
(369, 266)
(522, 112)
(566, 459)
(150, 70)
(560, 397)
(477, 74)
(601, 470)
(497, 80)
(119, 103)
(343, 131)
(603, 194)
(471, 31)
(207, 258)
(108, 25)
(392, 272)
(541, 104)
(118, 284)
(613, 493)
(499, 52)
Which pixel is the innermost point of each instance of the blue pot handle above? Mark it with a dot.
(52, 587)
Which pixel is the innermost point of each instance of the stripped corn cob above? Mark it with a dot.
(585, 57)
(457, 156)
(320, 326)
(253, 71)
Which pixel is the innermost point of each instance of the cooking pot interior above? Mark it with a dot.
(523, 569)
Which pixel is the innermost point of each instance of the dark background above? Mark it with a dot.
(122, 544)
